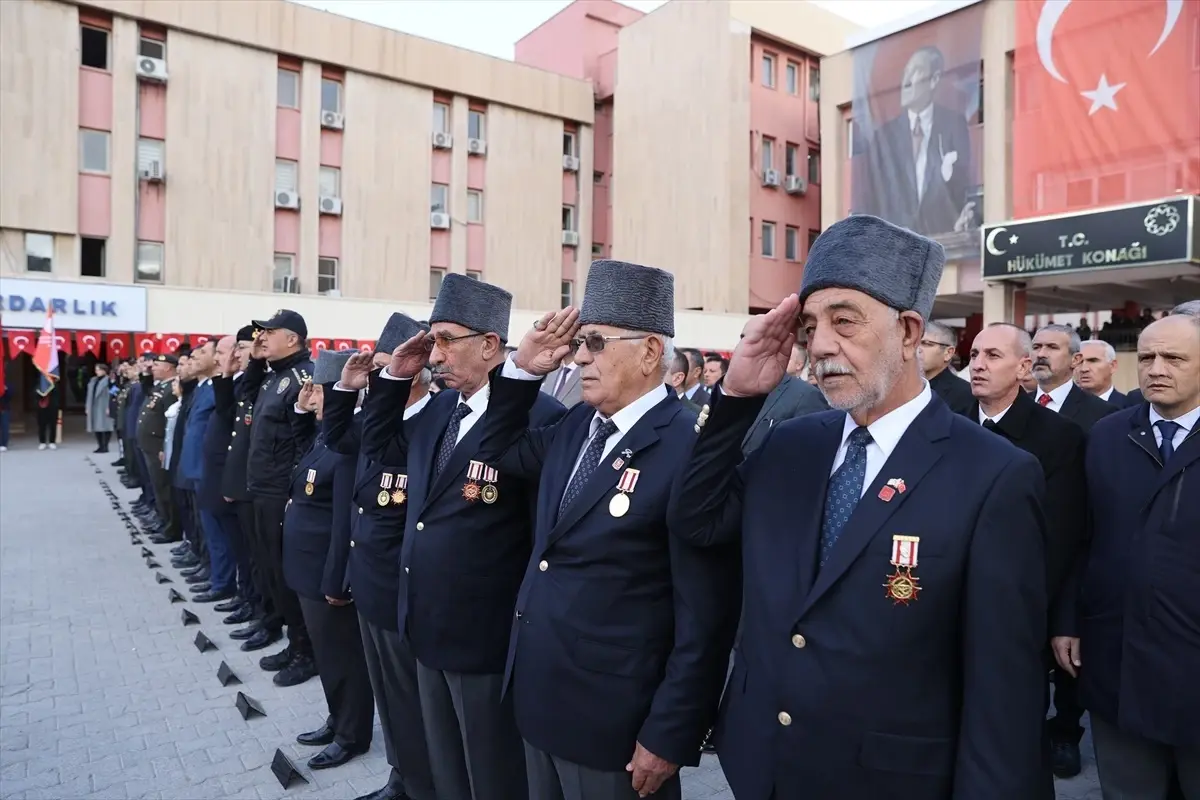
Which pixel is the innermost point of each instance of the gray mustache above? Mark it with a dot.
(824, 368)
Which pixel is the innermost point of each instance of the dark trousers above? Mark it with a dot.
(185, 510)
(268, 552)
(142, 472)
(102, 440)
(47, 424)
(249, 580)
(220, 528)
(1133, 768)
(4, 414)
(336, 644)
(552, 778)
(1064, 725)
(393, 672)
(160, 480)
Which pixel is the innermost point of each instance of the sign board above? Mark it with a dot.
(1141, 235)
(77, 306)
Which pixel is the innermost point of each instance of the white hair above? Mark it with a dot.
(1109, 353)
(1190, 308)
(668, 356)
(1073, 341)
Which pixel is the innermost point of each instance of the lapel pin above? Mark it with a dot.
(620, 462)
(886, 494)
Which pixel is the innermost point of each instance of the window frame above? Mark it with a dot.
(337, 179)
(571, 215)
(445, 203)
(336, 277)
(138, 275)
(791, 154)
(294, 184)
(475, 274)
(571, 149)
(791, 79)
(791, 243)
(160, 154)
(477, 196)
(341, 101)
(766, 152)
(444, 108)
(280, 72)
(108, 60)
(440, 272)
(103, 240)
(48, 237)
(766, 69)
(813, 167)
(566, 293)
(814, 83)
(765, 227)
(291, 261)
(161, 43)
(107, 136)
(480, 116)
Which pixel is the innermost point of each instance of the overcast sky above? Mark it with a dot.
(493, 26)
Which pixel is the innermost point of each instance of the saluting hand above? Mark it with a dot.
(307, 399)
(411, 357)
(649, 771)
(544, 347)
(760, 360)
(229, 363)
(356, 372)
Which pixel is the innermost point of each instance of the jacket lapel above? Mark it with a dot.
(765, 414)
(810, 489)
(915, 454)
(463, 453)
(422, 446)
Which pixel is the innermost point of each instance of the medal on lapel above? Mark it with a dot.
(385, 483)
(470, 490)
(312, 477)
(902, 585)
(489, 493)
(619, 505)
(398, 495)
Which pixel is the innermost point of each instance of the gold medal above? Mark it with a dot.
(489, 494)
(383, 498)
(619, 505)
(902, 587)
(398, 497)
(308, 488)
(471, 491)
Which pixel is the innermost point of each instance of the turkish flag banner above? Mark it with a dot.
(62, 343)
(197, 340)
(169, 342)
(21, 342)
(145, 343)
(1106, 103)
(88, 342)
(343, 344)
(366, 346)
(317, 345)
(118, 345)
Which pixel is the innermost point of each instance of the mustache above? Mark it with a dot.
(823, 368)
(1041, 362)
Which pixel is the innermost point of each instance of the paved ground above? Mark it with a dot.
(104, 695)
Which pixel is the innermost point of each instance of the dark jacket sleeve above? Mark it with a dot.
(333, 579)
(384, 434)
(224, 401)
(252, 378)
(341, 436)
(1066, 518)
(508, 443)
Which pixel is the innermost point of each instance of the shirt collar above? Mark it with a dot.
(1186, 421)
(416, 407)
(926, 118)
(479, 401)
(887, 431)
(1059, 395)
(237, 374)
(628, 416)
(996, 418)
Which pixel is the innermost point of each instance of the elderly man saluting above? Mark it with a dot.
(892, 634)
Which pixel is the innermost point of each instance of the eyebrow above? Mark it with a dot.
(838, 305)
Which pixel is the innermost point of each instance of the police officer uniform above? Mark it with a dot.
(151, 432)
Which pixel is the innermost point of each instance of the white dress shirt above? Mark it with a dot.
(478, 405)
(416, 407)
(886, 433)
(1057, 396)
(925, 118)
(1107, 394)
(1185, 421)
(996, 418)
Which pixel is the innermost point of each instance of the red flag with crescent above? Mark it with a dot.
(62, 342)
(317, 345)
(366, 346)
(145, 343)
(1100, 109)
(118, 345)
(87, 342)
(343, 344)
(169, 342)
(197, 340)
(21, 342)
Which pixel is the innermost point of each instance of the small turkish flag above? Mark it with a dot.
(198, 340)
(366, 346)
(21, 342)
(145, 343)
(170, 342)
(317, 345)
(343, 344)
(62, 343)
(88, 342)
(118, 345)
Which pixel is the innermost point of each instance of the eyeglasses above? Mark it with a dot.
(595, 342)
(444, 340)
(931, 343)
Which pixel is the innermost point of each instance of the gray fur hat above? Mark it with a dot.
(629, 296)
(895, 266)
(480, 306)
(328, 368)
(398, 330)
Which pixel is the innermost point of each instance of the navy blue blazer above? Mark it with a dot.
(622, 632)
(837, 690)
(191, 461)
(317, 522)
(461, 561)
(1134, 603)
(215, 447)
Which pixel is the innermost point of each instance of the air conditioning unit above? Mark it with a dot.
(332, 120)
(439, 220)
(795, 184)
(770, 177)
(571, 163)
(333, 293)
(152, 172)
(331, 205)
(570, 239)
(151, 69)
(287, 200)
(443, 141)
(476, 147)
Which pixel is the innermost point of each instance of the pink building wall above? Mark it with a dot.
(476, 247)
(329, 236)
(441, 167)
(602, 162)
(152, 110)
(152, 212)
(287, 133)
(95, 205)
(439, 248)
(331, 148)
(95, 99)
(476, 172)
(287, 231)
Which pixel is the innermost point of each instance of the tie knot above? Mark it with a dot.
(462, 411)
(859, 438)
(1044, 400)
(989, 424)
(1168, 429)
(918, 131)
(605, 429)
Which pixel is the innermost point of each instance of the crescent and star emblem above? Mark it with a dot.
(1105, 93)
(990, 242)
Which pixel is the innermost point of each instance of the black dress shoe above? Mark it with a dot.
(232, 604)
(241, 614)
(157, 539)
(318, 738)
(262, 638)
(198, 577)
(298, 670)
(211, 597)
(1065, 759)
(199, 588)
(333, 756)
(394, 790)
(247, 632)
(185, 561)
(188, 572)
(276, 661)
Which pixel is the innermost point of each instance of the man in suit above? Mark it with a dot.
(893, 633)
(937, 351)
(693, 387)
(1127, 626)
(920, 162)
(714, 369)
(1190, 308)
(622, 632)
(466, 542)
(1094, 374)
(792, 398)
(563, 384)
(1056, 354)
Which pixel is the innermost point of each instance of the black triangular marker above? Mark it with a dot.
(147, 552)
(152, 564)
(248, 706)
(174, 596)
(226, 675)
(135, 540)
(285, 771)
(189, 618)
(158, 576)
(203, 642)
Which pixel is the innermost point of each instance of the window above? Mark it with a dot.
(149, 267)
(285, 175)
(441, 118)
(814, 167)
(474, 205)
(568, 293)
(93, 47)
(289, 89)
(791, 243)
(849, 139)
(91, 257)
(39, 252)
(793, 78)
(474, 274)
(568, 218)
(792, 153)
(597, 249)
(331, 96)
(435, 282)
(597, 177)
(568, 143)
(812, 239)
(438, 194)
(768, 153)
(152, 48)
(814, 83)
(768, 239)
(476, 125)
(93, 151)
(768, 70)
(327, 275)
(149, 150)
(330, 181)
(281, 275)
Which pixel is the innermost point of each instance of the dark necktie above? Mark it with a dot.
(845, 489)
(1168, 430)
(989, 424)
(563, 372)
(587, 464)
(450, 438)
(1044, 400)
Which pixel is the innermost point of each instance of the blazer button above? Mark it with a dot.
(544, 565)
(360, 509)
(406, 570)
(352, 543)
(785, 718)
(420, 526)
(235, 433)
(798, 641)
